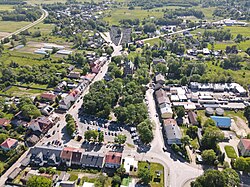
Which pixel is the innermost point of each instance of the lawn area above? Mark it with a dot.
(126, 181)
(11, 26)
(6, 7)
(230, 151)
(154, 167)
(153, 41)
(73, 177)
(245, 31)
(123, 13)
(17, 91)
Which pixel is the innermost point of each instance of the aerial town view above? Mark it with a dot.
(124, 93)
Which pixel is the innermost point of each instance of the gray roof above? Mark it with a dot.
(50, 154)
(92, 160)
(172, 131)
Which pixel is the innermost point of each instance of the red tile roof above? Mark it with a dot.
(49, 96)
(4, 122)
(169, 122)
(246, 143)
(67, 153)
(8, 143)
(113, 158)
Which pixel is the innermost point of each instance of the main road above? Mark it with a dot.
(44, 15)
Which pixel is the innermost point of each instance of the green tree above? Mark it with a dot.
(116, 180)
(208, 156)
(100, 137)
(210, 178)
(185, 140)
(192, 131)
(240, 164)
(38, 181)
(212, 135)
(209, 122)
(144, 175)
(180, 112)
(232, 178)
(145, 131)
(91, 135)
(120, 139)
(3, 137)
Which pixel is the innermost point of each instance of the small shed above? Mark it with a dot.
(219, 112)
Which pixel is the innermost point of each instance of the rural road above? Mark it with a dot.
(44, 15)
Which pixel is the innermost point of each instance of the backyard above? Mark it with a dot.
(156, 181)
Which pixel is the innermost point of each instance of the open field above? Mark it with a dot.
(11, 26)
(230, 151)
(23, 58)
(154, 167)
(123, 13)
(19, 92)
(245, 31)
(43, 28)
(153, 41)
(6, 7)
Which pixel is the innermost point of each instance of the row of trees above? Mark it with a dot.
(94, 135)
(70, 124)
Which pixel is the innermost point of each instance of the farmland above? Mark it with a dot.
(114, 16)
(11, 26)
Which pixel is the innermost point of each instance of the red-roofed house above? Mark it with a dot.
(48, 97)
(4, 122)
(113, 160)
(66, 155)
(244, 147)
(9, 144)
(74, 94)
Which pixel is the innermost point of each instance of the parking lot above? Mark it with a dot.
(110, 129)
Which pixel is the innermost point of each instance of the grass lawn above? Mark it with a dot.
(153, 41)
(230, 151)
(123, 13)
(16, 91)
(126, 181)
(73, 177)
(232, 114)
(154, 167)
(6, 7)
(11, 26)
(245, 31)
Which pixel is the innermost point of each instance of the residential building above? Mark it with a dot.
(76, 157)
(41, 124)
(92, 161)
(113, 160)
(160, 79)
(65, 103)
(66, 155)
(47, 110)
(158, 60)
(9, 144)
(172, 131)
(244, 147)
(128, 68)
(66, 184)
(60, 86)
(74, 75)
(222, 122)
(74, 94)
(50, 97)
(192, 116)
(166, 111)
(44, 155)
(4, 122)
(130, 164)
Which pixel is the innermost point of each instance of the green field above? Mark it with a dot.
(153, 41)
(6, 7)
(245, 31)
(11, 26)
(154, 167)
(19, 92)
(22, 58)
(230, 151)
(114, 16)
(43, 28)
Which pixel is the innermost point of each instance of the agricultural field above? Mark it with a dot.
(114, 16)
(11, 26)
(6, 7)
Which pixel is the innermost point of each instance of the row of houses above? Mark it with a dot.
(55, 156)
